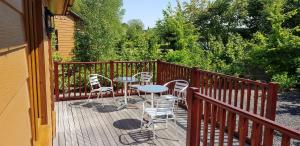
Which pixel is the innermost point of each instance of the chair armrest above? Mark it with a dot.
(111, 83)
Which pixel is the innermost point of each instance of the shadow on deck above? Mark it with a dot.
(97, 124)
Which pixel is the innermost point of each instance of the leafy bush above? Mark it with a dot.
(56, 56)
(284, 80)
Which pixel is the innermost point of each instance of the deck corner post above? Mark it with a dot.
(272, 101)
(56, 86)
(159, 69)
(192, 134)
(194, 77)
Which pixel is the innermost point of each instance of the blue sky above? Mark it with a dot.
(149, 11)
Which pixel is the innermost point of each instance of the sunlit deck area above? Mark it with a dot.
(95, 124)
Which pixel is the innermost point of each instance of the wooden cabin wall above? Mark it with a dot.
(65, 26)
(14, 106)
(20, 41)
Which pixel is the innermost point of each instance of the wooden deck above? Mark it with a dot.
(95, 125)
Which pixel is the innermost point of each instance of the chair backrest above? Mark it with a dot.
(165, 105)
(94, 81)
(180, 87)
(144, 77)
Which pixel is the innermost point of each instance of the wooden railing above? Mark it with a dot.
(242, 108)
(204, 112)
(71, 78)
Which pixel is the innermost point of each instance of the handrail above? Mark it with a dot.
(254, 117)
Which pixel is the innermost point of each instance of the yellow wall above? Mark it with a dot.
(15, 118)
(14, 106)
(65, 26)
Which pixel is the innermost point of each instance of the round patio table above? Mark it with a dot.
(125, 81)
(152, 89)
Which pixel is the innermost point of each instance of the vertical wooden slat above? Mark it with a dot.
(231, 127)
(230, 91)
(255, 98)
(285, 140)
(79, 67)
(242, 130)
(206, 118)
(74, 80)
(56, 81)
(63, 79)
(256, 134)
(236, 91)
(222, 126)
(85, 80)
(263, 101)
(242, 94)
(69, 81)
(213, 125)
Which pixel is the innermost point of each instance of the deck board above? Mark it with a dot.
(96, 124)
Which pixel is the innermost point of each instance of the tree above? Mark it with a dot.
(102, 29)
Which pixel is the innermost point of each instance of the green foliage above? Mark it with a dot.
(255, 38)
(56, 56)
(101, 30)
(284, 80)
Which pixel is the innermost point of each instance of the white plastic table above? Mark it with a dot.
(152, 89)
(125, 81)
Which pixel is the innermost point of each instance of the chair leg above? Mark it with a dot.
(175, 127)
(167, 119)
(153, 128)
(89, 98)
(142, 120)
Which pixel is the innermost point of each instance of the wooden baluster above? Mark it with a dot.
(56, 76)
(242, 95)
(206, 121)
(285, 140)
(231, 127)
(255, 98)
(256, 134)
(69, 81)
(242, 130)
(63, 79)
(236, 91)
(248, 96)
(222, 126)
(263, 101)
(74, 79)
(85, 81)
(79, 66)
(210, 84)
(215, 85)
(224, 90)
(213, 125)
(230, 91)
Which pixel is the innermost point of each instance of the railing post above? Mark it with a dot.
(194, 77)
(159, 69)
(56, 86)
(270, 112)
(194, 117)
(272, 101)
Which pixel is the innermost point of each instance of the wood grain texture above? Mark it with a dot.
(65, 26)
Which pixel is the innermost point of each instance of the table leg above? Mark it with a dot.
(125, 94)
(152, 100)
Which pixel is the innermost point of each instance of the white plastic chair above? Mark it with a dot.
(162, 112)
(97, 88)
(143, 79)
(179, 91)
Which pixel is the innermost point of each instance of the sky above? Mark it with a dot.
(149, 11)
